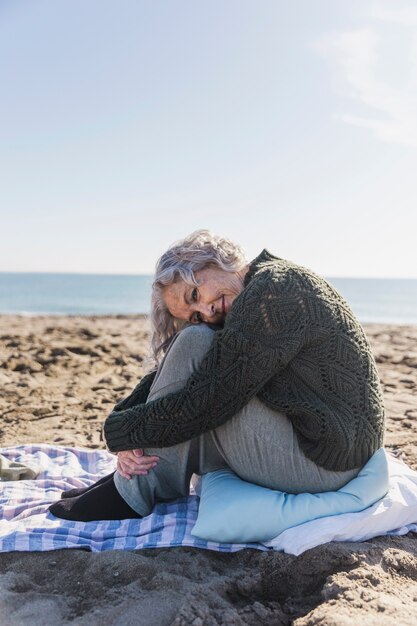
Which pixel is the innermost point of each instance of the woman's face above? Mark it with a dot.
(210, 301)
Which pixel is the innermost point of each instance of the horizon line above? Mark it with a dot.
(71, 273)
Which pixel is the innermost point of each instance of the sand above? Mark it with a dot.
(59, 377)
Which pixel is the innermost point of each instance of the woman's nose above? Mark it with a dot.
(209, 310)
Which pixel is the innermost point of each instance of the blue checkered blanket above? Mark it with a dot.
(27, 525)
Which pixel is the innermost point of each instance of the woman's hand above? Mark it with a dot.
(134, 462)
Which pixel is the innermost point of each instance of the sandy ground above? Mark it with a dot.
(59, 378)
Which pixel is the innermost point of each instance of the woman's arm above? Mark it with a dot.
(254, 344)
(139, 395)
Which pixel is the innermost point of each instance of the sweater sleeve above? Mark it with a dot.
(250, 349)
(139, 395)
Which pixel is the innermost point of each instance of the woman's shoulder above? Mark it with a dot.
(270, 270)
(271, 285)
(278, 282)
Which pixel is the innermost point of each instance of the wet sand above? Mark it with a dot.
(60, 376)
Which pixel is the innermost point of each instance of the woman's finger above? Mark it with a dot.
(127, 471)
(127, 454)
(122, 471)
(132, 456)
(145, 464)
(134, 469)
(125, 465)
(145, 458)
(142, 461)
(138, 462)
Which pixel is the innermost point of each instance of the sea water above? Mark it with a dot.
(372, 299)
(75, 294)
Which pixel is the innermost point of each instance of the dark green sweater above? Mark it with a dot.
(289, 339)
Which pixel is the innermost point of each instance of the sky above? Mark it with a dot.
(289, 125)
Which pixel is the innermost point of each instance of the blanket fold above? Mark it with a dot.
(11, 470)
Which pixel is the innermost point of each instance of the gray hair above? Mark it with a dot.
(180, 263)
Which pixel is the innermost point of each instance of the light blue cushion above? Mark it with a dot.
(234, 511)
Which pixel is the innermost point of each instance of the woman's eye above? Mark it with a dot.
(194, 294)
(197, 319)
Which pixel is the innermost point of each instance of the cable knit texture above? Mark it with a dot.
(293, 341)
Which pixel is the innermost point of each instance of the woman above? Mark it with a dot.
(265, 370)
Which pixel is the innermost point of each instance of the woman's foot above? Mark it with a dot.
(71, 493)
(100, 502)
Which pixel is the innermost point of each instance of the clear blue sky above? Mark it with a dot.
(286, 124)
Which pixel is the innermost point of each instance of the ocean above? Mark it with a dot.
(376, 300)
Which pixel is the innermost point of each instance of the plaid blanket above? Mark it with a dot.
(27, 525)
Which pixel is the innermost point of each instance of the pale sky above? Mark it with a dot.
(285, 124)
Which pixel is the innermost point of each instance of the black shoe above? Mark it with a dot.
(71, 493)
(100, 502)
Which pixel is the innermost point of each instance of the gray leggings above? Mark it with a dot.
(257, 443)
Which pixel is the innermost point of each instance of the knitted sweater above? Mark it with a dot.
(290, 339)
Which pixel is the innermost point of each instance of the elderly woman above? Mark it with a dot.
(265, 370)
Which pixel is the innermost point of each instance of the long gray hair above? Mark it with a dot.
(180, 263)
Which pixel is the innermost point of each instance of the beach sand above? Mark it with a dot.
(60, 376)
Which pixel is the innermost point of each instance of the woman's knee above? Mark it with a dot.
(190, 345)
(182, 359)
(194, 339)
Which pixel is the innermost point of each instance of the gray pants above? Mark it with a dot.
(258, 444)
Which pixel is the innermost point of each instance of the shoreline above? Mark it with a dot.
(94, 316)
(60, 376)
